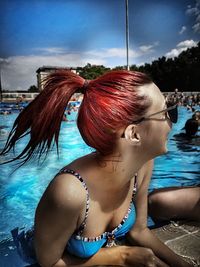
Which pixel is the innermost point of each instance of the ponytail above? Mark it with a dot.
(43, 116)
(111, 102)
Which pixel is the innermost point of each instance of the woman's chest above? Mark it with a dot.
(106, 210)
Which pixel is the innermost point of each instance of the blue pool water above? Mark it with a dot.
(21, 191)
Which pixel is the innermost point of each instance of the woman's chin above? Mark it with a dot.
(164, 150)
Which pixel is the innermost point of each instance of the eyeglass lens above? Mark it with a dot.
(173, 113)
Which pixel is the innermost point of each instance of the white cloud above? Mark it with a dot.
(187, 44)
(140, 64)
(111, 52)
(192, 10)
(148, 48)
(174, 52)
(195, 12)
(180, 47)
(196, 27)
(198, 17)
(121, 52)
(51, 50)
(19, 72)
(183, 29)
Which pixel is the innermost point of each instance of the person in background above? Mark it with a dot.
(191, 127)
(192, 124)
(175, 203)
(5, 112)
(196, 116)
(64, 117)
(87, 209)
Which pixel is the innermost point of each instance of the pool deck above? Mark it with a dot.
(183, 237)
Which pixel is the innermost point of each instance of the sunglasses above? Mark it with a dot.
(171, 113)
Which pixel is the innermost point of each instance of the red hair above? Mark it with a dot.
(110, 102)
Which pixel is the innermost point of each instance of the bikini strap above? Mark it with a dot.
(134, 186)
(79, 231)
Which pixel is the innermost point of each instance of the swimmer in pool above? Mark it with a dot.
(87, 209)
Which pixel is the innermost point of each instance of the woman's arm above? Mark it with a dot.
(105, 256)
(140, 234)
(126, 256)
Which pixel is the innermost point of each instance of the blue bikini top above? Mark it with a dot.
(85, 247)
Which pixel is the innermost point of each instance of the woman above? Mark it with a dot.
(88, 207)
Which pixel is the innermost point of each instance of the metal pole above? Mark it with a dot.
(127, 37)
(1, 95)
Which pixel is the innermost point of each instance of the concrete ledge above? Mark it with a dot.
(183, 237)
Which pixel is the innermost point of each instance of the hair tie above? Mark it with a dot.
(84, 87)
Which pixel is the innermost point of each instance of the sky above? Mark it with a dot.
(72, 33)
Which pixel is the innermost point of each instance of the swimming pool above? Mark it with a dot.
(20, 191)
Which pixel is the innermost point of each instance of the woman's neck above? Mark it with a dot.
(118, 169)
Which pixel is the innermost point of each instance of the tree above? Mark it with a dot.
(33, 89)
(181, 72)
(119, 68)
(91, 72)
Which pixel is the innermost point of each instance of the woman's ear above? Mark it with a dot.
(132, 135)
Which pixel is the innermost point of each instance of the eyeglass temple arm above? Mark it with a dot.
(167, 109)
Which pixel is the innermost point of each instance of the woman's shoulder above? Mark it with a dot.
(81, 163)
(65, 191)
